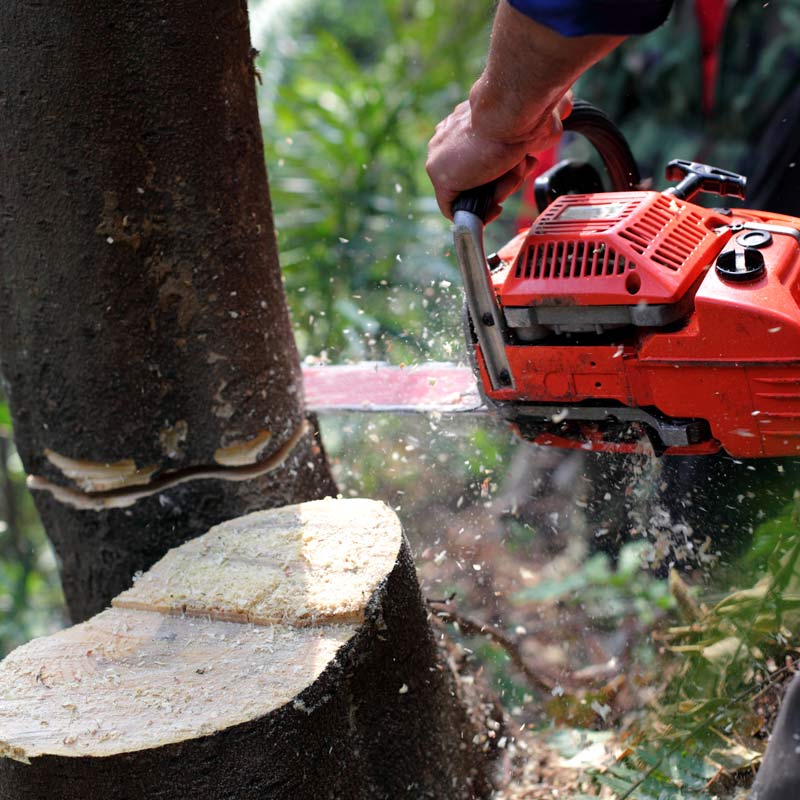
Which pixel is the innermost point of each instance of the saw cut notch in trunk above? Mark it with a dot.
(284, 654)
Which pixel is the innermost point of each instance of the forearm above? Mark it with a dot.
(528, 71)
(514, 109)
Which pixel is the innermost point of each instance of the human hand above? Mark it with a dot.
(514, 109)
(477, 144)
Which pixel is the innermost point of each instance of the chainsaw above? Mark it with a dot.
(622, 321)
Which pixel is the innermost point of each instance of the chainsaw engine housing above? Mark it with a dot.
(642, 310)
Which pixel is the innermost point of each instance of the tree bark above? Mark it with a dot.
(315, 675)
(144, 335)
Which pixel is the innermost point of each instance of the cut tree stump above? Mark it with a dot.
(283, 654)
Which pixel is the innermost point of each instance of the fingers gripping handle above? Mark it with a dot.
(477, 201)
(470, 212)
(604, 135)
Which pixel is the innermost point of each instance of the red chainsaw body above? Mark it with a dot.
(614, 299)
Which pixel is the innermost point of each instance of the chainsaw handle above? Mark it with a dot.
(477, 201)
(605, 136)
(609, 141)
(696, 178)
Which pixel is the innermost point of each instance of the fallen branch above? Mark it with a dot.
(473, 627)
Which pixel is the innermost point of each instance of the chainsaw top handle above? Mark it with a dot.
(605, 136)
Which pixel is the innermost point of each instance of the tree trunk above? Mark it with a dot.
(290, 649)
(144, 337)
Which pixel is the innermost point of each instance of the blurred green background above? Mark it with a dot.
(363, 247)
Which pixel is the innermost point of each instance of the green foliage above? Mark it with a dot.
(678, 776)
(30, 600)
(608, 592)
(651, 86)
(702, 724)
(351, 97)
(392, 450)
(363, 246)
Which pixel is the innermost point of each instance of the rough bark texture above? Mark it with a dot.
(99, 552)
(142, 317)
(381, 721)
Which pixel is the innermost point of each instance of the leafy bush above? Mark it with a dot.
(30, 598)
(708, 724)
(363, 246)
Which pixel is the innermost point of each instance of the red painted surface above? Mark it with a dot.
(735, 361)
(641, 247)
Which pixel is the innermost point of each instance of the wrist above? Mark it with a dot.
(507, 115)
(529, 70)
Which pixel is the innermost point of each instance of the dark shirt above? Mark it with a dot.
(581, 17)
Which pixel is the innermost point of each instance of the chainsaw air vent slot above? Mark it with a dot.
(570, 259)
(671, 233)
(777, 399)
(611, 249)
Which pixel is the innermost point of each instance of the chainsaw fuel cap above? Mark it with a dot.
(739, 266)
(754, 239)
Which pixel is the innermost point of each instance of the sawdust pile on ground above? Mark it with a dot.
(539, 776)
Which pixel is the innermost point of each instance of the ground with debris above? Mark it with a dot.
(551, 577)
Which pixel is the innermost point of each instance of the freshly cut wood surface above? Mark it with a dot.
(315, 562)
(145, 674)
(127, 680)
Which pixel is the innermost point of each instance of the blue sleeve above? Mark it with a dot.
(581, 17)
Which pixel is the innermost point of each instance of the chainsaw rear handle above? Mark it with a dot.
(605, 136)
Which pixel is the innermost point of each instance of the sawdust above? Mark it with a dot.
(538, 774)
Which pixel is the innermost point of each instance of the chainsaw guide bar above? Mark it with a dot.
(378, 387)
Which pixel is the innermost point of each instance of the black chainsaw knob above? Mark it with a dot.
(696, 178)
(566, 177)
(740, 266)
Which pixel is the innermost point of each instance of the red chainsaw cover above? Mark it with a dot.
(610, 249)
(733, 358)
